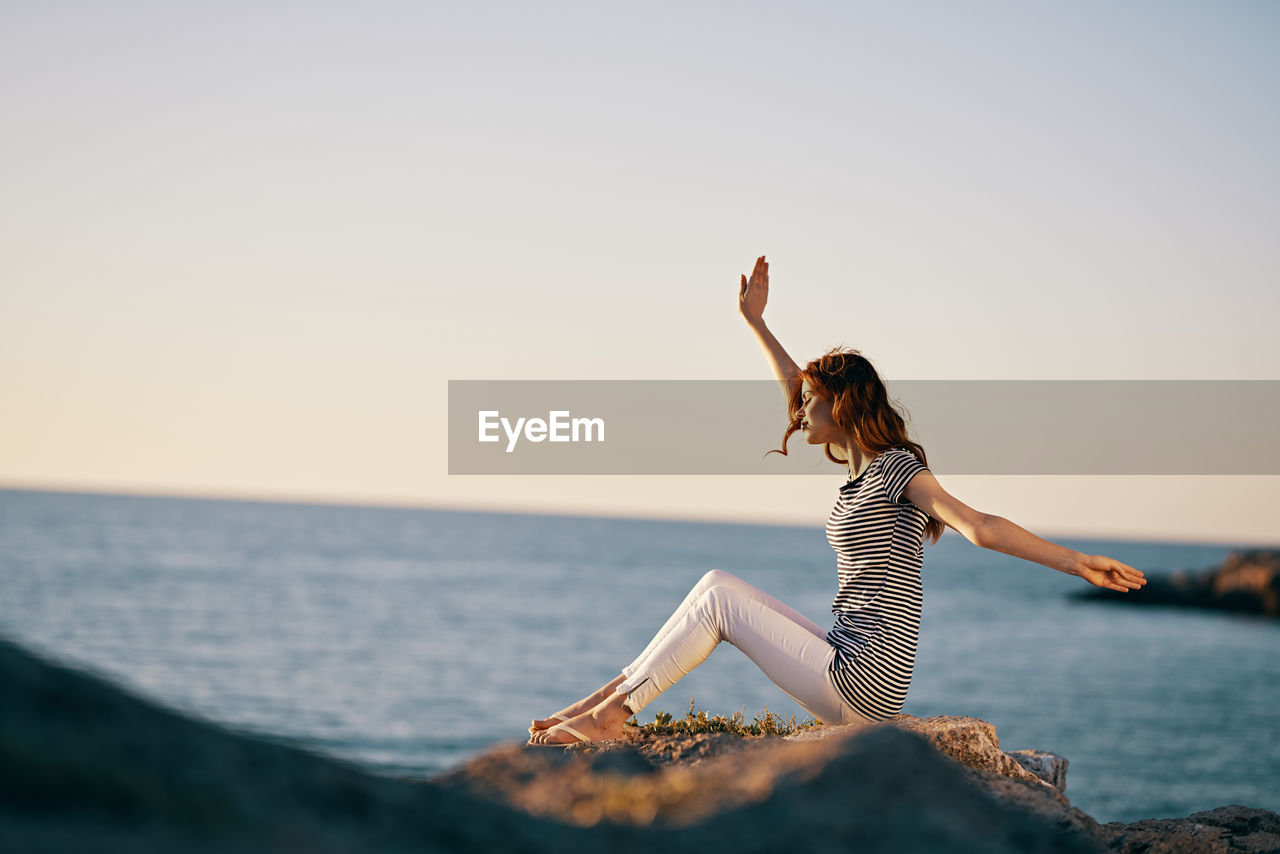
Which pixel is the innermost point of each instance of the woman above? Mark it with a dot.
(860, 669)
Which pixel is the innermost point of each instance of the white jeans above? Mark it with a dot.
(791, 649)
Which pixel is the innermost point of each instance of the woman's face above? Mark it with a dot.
(815, 419)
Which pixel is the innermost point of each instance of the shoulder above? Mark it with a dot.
(897, 468)
(897, 457)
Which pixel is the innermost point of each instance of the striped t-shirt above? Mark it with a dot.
(878, 536)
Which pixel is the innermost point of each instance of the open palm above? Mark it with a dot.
(753, 293)
(1109, 573)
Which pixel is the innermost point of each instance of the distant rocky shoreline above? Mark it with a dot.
(1245, 582)
(85, 765)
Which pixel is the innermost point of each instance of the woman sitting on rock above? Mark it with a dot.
(858, 670)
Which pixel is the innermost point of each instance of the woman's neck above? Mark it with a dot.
(857, 462)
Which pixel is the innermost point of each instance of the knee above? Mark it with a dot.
(729, 613)
(717, 578)
(719, 601)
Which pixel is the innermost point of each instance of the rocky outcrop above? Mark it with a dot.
(85, 765)
(907, 784)
(1246, 581)
(875, 788)
(88, 766)
(1215, 831)
(679, 780)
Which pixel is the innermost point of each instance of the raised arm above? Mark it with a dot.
(1001, 535)
(753, 293)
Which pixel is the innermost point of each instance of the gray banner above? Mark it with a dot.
(1086, 427)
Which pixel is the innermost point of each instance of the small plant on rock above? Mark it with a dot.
(696, 721)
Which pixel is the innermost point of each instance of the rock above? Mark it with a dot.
(1048, 767)
(1239, 820)
(973, 743)
(85, 765)
(883, 789)
(1253, 575)
(873, 788)
(1246, 581)
(970, 741)
(694, 778)
(1225, 829)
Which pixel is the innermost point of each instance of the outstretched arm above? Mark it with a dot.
(1001, 535)
(753, 293)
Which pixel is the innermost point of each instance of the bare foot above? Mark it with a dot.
(604, 722)
(586, 704)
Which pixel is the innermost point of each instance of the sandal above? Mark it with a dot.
(557, 716)
(629, 733)
(560, 728)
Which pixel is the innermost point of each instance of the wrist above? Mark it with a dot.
(1070, 562)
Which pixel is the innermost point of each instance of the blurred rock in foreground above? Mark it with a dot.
(1246, 581)
(85, 766)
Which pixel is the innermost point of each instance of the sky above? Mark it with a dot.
(245, 246)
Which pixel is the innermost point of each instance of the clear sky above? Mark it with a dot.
(244, 246)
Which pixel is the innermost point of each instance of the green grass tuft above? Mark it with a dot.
(696, 721)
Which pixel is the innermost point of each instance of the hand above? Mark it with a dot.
(754, 293)
(1109, 573)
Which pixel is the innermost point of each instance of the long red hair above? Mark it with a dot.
(860, 406)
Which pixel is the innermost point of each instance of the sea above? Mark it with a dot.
(408, 640)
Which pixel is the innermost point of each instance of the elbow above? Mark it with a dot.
(986, 532)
